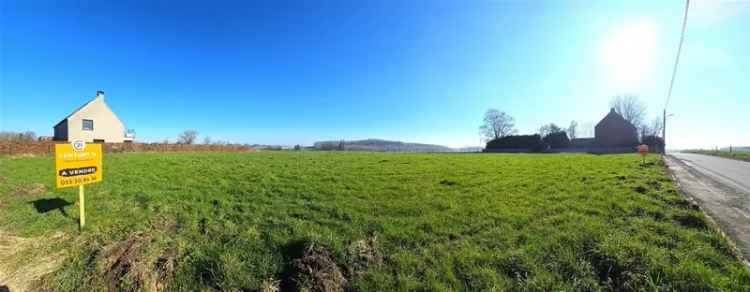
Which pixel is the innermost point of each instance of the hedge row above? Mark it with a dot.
(558, 140)
(48, 147)
(531, 142)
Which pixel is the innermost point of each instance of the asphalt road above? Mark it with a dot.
(722, 187)
(732, 172)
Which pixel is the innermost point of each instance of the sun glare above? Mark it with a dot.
(628, 54)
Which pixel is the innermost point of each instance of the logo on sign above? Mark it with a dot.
(78, 145)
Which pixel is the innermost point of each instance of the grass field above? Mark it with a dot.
(369, 221)
(726, 154)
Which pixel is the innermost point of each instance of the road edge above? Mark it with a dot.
(693, 201)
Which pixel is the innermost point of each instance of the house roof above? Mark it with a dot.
(615, 117)
(99, 94)
(77, 110)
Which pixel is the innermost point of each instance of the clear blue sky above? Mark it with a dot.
(279, 72)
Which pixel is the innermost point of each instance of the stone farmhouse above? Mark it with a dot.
(93, 122)
(614, 130)
(612, 134)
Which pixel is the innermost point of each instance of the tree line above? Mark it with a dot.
(190, 136)
(18, 136)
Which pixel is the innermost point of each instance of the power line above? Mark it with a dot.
(679, 49)
(674, 74)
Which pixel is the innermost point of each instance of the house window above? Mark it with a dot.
(88, 125)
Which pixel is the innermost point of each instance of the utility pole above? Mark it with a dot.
(664, 130)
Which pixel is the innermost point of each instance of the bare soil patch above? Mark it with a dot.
(317, 270)
(30, 190)
(25, 276)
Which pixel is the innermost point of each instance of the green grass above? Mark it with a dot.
(726, 154)
(389, 221)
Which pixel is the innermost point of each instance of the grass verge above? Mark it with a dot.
(744, 156)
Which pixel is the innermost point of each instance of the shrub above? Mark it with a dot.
(652, 141)
(557, 140)
(655, 143)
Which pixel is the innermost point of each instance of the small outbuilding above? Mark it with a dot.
(93, 122)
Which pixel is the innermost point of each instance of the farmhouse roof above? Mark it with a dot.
(613, 116)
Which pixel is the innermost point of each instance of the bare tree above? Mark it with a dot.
(549, 129)
(187, 137)
(630, 108)
(496, 125)
(18, 136)
(207, 140)
(573, 130)
(587, 130)
(29, 136)
(657, 125)
(652, 129)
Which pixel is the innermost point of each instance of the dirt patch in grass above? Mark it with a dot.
(30, 190)
(691, 220)
(449, 183)
(124, 260)
(683, 203)
(317, 270)
(654, 185)
(164, 269)
(515, 266)
(25, 276)
(363, 254)
(25, 155)
(647, 164)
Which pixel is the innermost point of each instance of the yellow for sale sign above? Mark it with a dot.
(78, 163)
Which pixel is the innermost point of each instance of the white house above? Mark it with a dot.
(93, 122)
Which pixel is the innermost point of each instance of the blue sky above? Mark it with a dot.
(294, 72)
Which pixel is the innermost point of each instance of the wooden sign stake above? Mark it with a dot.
(643, 150)
(82, 206)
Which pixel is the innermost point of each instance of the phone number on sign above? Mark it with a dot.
(77, 180)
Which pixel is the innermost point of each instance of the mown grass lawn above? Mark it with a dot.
(372, 222)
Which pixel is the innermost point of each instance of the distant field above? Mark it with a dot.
(368, 222)
(733, 155)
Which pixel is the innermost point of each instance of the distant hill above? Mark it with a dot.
(385, 146)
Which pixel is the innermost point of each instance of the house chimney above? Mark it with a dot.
(611, 110)
(100, 94)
